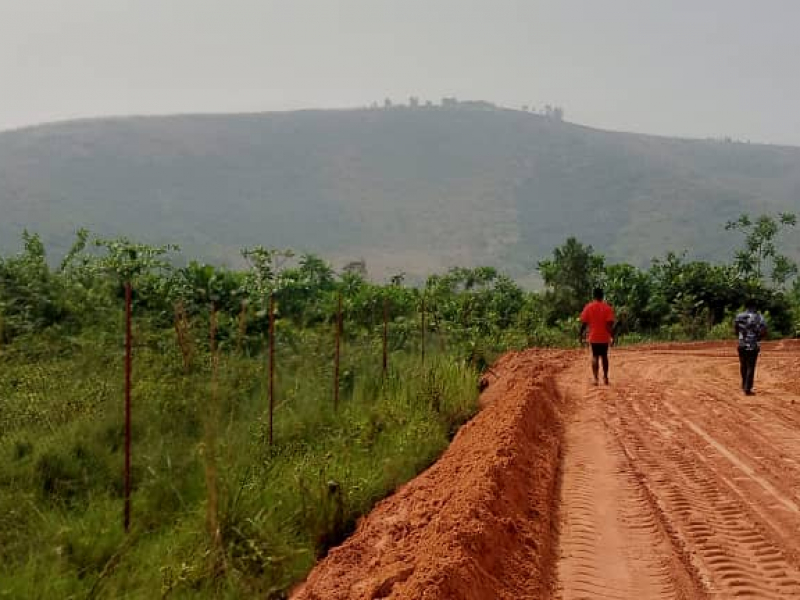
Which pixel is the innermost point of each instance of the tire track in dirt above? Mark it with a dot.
(712, 518)
(711, 461)
(612, 544)
(749, 443)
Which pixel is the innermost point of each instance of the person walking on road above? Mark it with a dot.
(598, 316)
(750, 327)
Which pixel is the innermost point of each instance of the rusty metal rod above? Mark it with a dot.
(128, 360)
(422, 328)
(271, 364)
(385, 337)
(336, 356)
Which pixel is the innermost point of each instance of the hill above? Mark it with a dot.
(406, 189)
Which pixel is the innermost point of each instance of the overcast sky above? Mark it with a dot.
(677, 67)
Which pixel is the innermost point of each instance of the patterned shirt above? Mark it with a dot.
(750, 326)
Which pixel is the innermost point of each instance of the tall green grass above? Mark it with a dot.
(278, 509)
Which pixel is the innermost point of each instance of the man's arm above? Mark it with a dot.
(611, 319)
(584, 324)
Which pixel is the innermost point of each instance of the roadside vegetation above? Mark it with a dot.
(218, 510)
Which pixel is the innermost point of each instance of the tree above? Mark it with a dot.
(760, 247)
(570, 276)
(77, 248)
(197, 285)
(356, 267)
(316, 272)
(301, 291)
(629, 290)
(31, 297)
(686, 291)
(265, 267)
(795, 300)
(129, 261)
(506, 301)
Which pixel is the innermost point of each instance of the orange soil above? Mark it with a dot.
(667, 484)
(478, 523)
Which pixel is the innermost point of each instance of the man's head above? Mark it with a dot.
(598, 294)
(751, 304)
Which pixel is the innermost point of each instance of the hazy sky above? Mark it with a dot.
(678, 67)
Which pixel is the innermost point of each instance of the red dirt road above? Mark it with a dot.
(670, 483)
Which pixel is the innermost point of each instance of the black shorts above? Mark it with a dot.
(599, 350)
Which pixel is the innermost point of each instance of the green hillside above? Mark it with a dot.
(406, 189)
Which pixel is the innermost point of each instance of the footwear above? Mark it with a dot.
(749, 393)
(605, 380)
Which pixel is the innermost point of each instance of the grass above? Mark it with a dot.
(276, 509)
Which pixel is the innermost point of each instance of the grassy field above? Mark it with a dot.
(216, 511)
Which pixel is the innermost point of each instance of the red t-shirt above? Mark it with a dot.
(597, 315)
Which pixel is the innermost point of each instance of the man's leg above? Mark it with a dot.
(743, 367)
(595, 360)
(605, 367)
(751, 369)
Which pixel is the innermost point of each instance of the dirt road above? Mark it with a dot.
(676, 485)
(670, 483)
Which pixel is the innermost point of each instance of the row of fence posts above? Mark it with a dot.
(338, 331)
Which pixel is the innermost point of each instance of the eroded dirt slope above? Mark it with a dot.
(479, 523)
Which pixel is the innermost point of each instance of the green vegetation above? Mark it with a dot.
(278, 508)
(677, 298)
(217, 510)
(408, 189)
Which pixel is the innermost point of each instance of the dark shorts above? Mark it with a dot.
(600, 350)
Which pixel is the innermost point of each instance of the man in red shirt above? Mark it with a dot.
(598, 316)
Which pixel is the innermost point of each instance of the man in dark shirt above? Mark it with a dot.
(750, 327)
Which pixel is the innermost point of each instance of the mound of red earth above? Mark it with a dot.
(480, 523)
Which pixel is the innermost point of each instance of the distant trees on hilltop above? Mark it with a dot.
(550, 111)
